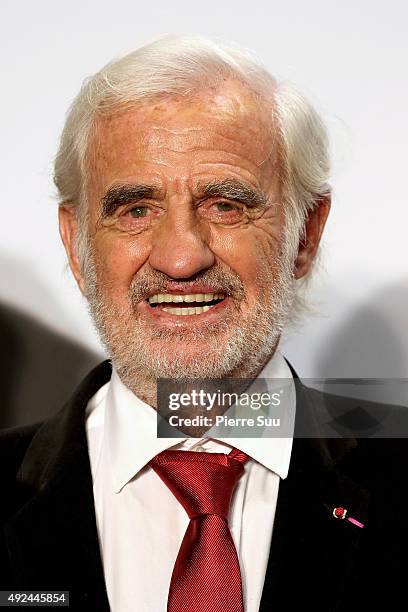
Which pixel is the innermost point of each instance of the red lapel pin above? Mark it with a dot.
(340, 513)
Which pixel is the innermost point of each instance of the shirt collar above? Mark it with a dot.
(130, 431)
(273, 453)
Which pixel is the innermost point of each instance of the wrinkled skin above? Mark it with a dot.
(177, 238)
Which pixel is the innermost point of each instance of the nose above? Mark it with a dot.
(180, 245)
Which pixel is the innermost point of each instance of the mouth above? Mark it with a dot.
(185, 304)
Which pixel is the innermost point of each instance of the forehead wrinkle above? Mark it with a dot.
(213, 159)
(152, 137)
(177, 131)
(248, 160)
(255, 176)
(229, 130)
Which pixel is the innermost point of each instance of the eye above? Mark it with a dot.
(222, 211)
(138, 211)
(138, 217)
(225, 206)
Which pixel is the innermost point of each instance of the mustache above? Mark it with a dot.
(153, 281)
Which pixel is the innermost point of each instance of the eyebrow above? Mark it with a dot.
(230, 189)
(119, 195)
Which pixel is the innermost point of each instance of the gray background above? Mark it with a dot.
(350, 58)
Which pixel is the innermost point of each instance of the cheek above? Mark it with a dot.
(119, 257)
(249, 251)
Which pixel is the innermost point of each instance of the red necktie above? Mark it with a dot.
(206, 575)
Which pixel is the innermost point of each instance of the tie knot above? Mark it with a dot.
(203, 483)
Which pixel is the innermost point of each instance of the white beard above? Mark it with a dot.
(236, 347)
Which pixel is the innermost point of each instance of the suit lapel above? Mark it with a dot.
(52, 538)
(311, 551)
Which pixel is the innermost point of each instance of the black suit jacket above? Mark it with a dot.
(49, 536)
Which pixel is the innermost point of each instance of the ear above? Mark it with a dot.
(68, 228)
(315, 223)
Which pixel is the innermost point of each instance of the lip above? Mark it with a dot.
(166, 319)
(183, 290)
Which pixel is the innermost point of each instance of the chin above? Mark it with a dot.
(189, 358)
(194, 364)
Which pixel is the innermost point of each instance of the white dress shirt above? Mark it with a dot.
(141, 524)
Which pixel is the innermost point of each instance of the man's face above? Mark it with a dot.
(188, 273)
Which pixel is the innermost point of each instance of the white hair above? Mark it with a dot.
(182, 66)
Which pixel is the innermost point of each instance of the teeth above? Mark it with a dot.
(160, 298)
(187, 311)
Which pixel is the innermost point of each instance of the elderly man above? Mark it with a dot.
(193, 195)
